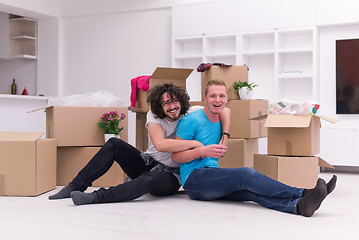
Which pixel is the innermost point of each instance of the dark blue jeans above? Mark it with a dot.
(242, 184)
(156, 182)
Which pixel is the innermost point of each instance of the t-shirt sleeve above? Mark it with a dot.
(186, 127)
(151, 118)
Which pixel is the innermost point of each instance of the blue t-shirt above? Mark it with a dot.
(196, 126)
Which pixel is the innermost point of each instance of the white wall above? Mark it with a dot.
(105, 52)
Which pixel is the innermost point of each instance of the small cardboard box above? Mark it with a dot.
(70, 160)
(299, 172)
(227, 74)
(27, 164)
(162, 75)
(240, 153)
(294, 135)
(241, 112)
(141, 130)
(77, 126)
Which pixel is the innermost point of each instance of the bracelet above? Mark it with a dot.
(225, 133)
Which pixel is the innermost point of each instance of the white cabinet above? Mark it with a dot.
(210, 18)
(259, 15)
(190, 52)
(337, 12)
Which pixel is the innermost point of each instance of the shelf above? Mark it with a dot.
(24, 97)
(24, 37)
(22, 19)
(23, 56)
(258, 53)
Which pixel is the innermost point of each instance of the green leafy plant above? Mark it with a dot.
(238, 85)
(110, 121)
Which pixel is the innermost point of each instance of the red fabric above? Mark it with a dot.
(140, 82)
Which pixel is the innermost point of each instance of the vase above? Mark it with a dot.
(245, 93)
(108, 136)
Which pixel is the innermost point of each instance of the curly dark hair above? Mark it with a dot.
(154, 98)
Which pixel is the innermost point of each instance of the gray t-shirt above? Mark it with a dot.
(169, 129)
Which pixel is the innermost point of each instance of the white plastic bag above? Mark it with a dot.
(89, 99)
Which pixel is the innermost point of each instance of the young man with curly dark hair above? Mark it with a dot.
(151, 171)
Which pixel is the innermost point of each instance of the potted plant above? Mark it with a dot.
(109, 124)
(245, 89)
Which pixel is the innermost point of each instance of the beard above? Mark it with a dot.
(171, 116)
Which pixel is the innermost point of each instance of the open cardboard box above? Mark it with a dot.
(77, 126)
(299, 172)
(227, 74)
(293, 135)
(27, 164)
(162, 75)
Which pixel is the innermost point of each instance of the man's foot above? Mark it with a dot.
(330, 186)
(81, 198)
(311, 202)
(63, 193)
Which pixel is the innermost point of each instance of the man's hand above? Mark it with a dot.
(214, 151)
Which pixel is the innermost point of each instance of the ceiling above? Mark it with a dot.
(75, 8)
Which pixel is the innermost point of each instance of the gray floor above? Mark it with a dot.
(178, 217)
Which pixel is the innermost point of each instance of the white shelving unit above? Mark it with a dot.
(190, 52)
(22, 37)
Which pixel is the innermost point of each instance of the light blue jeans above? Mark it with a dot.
(242, 184)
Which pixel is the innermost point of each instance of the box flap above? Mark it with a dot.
(298, 121)
(137, 110)
(328, 119)
(323, 163)
(20, 136)
(171, 73)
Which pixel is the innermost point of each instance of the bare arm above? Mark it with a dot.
(214, 150)
(162, 144)
(225, 118)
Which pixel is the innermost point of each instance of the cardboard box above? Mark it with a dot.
(227, 74)
(162, 75)
(70, 160)
(27, 164)
(197, 103)
(241, 112)
(299, 172)
(294, 135)
(141, 130)
(240, 153)
(77, 126)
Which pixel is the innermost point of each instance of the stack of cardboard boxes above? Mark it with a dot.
(243, 142)
(79, 139)
(293, 142)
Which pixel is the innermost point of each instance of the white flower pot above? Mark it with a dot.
(245, 93)
(108, 136)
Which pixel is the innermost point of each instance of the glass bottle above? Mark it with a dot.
(13, 87)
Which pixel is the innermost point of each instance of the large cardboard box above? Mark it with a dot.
(27, 164)
(70, 160)
(77, 126)
(241, 112)
(240, 153)
(162, 75)
(227, 74)
(294, 135)
(299, 172)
